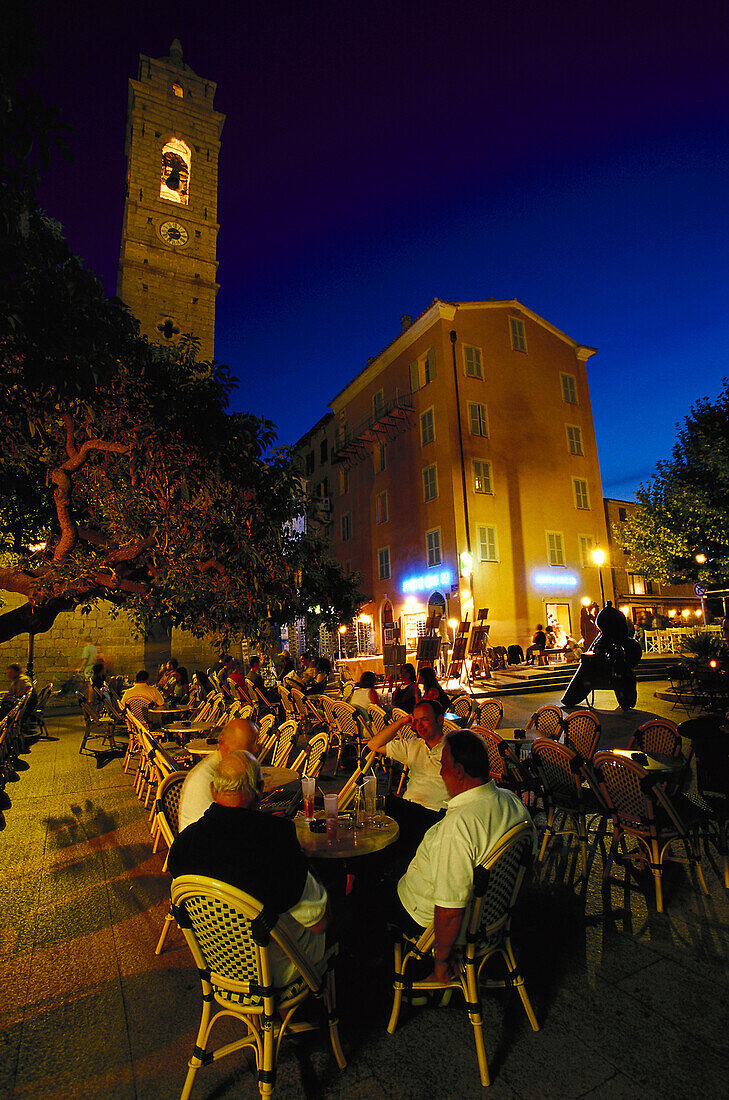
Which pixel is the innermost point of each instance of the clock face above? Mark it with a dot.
(173, 234)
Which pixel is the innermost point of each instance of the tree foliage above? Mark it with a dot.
(123, 454)
(684, 510)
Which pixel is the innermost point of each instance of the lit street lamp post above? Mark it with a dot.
(598, 556)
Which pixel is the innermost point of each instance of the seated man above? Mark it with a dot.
(142, 695)
(240, 735)
(257, 853)
(18, 688)
(426, 796)
(539, 641)
(438, 884)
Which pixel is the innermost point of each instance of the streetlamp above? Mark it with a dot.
(700, 559)
(342, 631)
(598, 556)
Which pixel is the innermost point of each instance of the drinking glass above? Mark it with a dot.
(308, 788)
(330, 812)
(369, 793)
(380, 814)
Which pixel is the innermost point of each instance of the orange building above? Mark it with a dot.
(468, 440)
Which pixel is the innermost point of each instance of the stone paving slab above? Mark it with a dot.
(632, 1003)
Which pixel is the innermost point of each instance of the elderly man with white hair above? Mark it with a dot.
(257, 853)
(240, 735)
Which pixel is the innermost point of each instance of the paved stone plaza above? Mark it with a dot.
(632, 1003)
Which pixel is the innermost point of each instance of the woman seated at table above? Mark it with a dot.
(431, 690)
(365, 693)
(407, 696)
(177, 692)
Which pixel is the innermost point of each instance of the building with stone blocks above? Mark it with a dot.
(636, 594)
(167, 265)
(57, 652)
(470, 434)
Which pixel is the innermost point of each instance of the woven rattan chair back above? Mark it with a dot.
(548, 720)
(229, 933)
(378, 718)
(284, 741)
(659, 735)
(407, 731)
(622, 783)
(490, 713)
(462, 706)
(168, 805)
(559, 770)
(497, 763)
(265, 746)
(265, 726)
(288, 706)
(582, 732)
(496, 886)
(299, 704)
(346, 719)
(316, 754)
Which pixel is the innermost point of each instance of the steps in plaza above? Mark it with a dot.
(531, 681)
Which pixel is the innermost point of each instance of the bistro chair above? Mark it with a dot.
(349, 790)
(559, 769)
(38, 717)
(462, 706)
(582, 732)
(378, 718)
(229, 935)
(641, 809)
(266, 745)
(504, 766)
(285, 739)
(168, 809)
(95, 727)
(659, 735)
(286, 703)
(490, 714)
(348, 727)
(547, 720)
(397, 714)
(309, 762)
(496, 885)
(265, 726)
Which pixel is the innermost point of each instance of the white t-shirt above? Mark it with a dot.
(148, 693)
(425, 785)
(441, 871)
(195, 796)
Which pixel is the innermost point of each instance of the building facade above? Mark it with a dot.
(466, 446)
(636, 595)
(167, 265)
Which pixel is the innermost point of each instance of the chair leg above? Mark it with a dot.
(397, 989)
(169, 921)
(518, 982)
(331, 1006)
(473, 1003)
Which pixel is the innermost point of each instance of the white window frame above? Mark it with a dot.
(383, 556)
(517, 334)
(427, 471)
(491, 542)
(431, 439)
(586, 544)
(568, 383)
(474, 368)
(485, 476)
(346, 526)
(381, 508)
(555, 549)
(435, 545)
(422, 370)
(574, 441)
(481, 419)
(581, 491)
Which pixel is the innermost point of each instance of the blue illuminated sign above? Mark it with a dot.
(555, 580)
(427, 581)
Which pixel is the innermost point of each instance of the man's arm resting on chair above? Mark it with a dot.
(446, 923)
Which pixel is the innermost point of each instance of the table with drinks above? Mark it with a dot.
(334, 835)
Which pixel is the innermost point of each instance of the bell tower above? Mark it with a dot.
(167, 265)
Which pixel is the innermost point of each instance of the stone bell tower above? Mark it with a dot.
(167, 265)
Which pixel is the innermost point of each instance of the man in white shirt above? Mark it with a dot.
(240, 735)
(438, 884)
(426, 796)
(142, 691)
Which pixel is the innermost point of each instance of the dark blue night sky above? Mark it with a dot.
(376, 156)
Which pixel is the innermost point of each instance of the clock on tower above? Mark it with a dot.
(167, 264)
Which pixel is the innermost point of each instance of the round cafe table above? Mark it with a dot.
(349, 842)
(173, 712)
(192, 727)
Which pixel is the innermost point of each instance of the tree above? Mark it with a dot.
(123, 454)
(684, 510)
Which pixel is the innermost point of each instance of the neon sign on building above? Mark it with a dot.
(555, 580)
(427, 581)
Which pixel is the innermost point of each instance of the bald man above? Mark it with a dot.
(240, 735)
